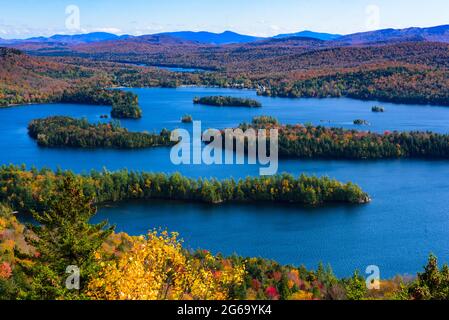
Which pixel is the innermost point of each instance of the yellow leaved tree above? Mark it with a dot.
(158, 268)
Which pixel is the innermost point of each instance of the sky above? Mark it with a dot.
(28, 18)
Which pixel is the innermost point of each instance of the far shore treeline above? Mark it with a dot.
(378, 72)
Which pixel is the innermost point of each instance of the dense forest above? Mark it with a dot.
(124, 104)
(393, 84)
(260, 58)
(407, 72)
(23, 189)
(221, 101)
(307, 141)
(34, 258)
(26, 79)
(73, 133)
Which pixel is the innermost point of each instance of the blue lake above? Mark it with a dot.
(408, 218)
(182, 70)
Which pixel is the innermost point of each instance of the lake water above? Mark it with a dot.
(408, 218)
(182, 70)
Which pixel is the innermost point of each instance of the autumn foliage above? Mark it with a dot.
(74, 133)
(310, 142)
(31, 190)
(156, 267)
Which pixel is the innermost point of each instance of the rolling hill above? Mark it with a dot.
(68, 39)
(28, 79)
(81, 38)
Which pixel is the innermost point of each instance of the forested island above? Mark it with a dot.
(73, 133)
(187, 118)
(310, 142)
(125, 105)
(378, 109)
(23, 189)
(222, 101)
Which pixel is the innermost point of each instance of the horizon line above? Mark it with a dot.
(216, 33)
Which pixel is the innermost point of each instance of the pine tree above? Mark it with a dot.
(433, 283)
(355, 287)
(63, 238)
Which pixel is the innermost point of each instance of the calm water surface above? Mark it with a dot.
(408, 218)
(182, 70)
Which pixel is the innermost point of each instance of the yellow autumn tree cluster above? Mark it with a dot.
(158, 268)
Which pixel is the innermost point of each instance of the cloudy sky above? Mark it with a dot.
(26, 18)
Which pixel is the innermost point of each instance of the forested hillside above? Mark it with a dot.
(407, 72)
(27, 79)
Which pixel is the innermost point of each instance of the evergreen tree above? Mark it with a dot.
(433, 283)
(63, 238)
(355, 287)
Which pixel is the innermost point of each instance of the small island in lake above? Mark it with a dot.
(74, 133)
(222, 101)
(378, 109)
(187, 119)
(265, 120)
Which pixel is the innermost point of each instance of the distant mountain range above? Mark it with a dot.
(71, 39)
(83, 38)
(436, 34)
(310, 34)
